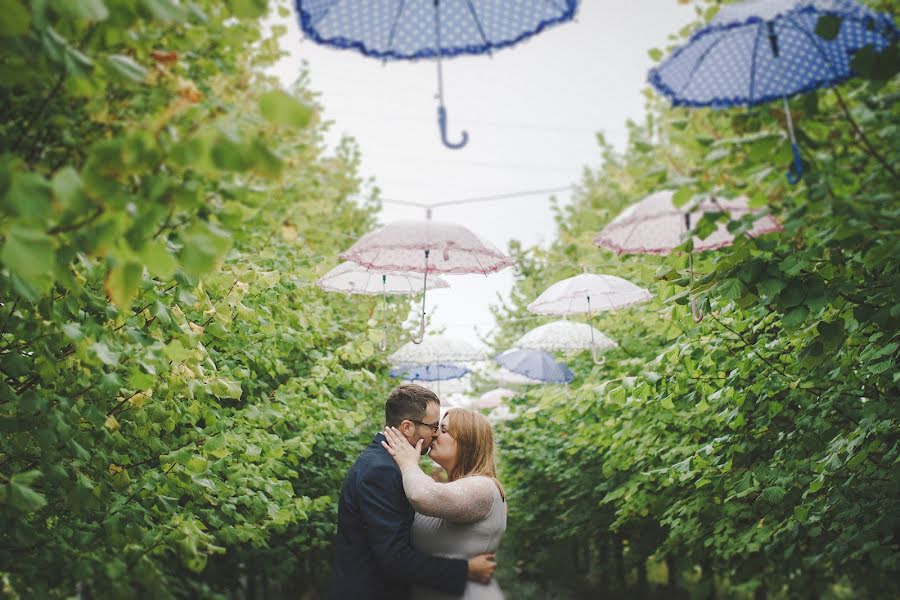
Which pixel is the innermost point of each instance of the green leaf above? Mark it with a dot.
(655, 54)
(158, 260)
(125, 69)
(21, 496)
(828, 27)
(795, 317)
(204, 244)
(248, 9)
(67, 189)
(122, 283)
(731, 288)
(278, 107)
(106, 356)
(29, 196)
(165, 10)
(682, 196)
(16, 19)
(89, 10)
(30, 254)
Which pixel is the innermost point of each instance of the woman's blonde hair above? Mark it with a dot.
(474, 445)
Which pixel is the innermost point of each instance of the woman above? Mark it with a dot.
(465, 516)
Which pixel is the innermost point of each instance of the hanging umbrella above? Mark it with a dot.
(406, 246)
(428, 372)
(507, 377)
(449, 386)
(436, 350)
(535, 364)
(438, 29)
(501, 413)
(458, 401)
(586, 294)
(494, 398)
(758, 51)
(564, 336)
(656, 226)
(350, 278)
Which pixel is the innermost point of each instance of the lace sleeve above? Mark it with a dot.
(465, 500)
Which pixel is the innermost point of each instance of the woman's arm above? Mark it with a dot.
(465, 500)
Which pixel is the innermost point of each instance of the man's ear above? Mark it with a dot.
(406, 428)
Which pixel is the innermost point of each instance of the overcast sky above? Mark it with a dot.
(532, 113)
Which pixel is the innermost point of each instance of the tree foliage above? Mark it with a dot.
(176, 399)
(760, 444)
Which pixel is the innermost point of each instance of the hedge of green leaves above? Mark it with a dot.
(755, 452)
(178, 404)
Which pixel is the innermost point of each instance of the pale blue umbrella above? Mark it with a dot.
(535, 364)
(428, 372)
(438, 29)
(758, 51)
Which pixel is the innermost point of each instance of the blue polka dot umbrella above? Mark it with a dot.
(430, 29)
(758, 51)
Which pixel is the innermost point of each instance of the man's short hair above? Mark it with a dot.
(407, 402)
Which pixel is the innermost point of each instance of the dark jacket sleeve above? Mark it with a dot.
(382, 505)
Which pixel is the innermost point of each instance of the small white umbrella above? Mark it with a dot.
(588, 294)
(494, 398)
(564, 336)
(436, 350)
(656, 226)
(460, 385)
(407, 247)
(351, 278)
(507, 377)
(501, 413)
(458, 401)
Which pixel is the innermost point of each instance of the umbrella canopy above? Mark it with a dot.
(407, 246)
(656, 226)
(429, 372)
(507, 377)
(437, 350)
(351, 278)
(757, 51)
(535, 364)
(414, 29)
(564, 335)
(448, 386)
(426, 247)
(501, 413)
(458, 401)
(587, 294)
(494, 398)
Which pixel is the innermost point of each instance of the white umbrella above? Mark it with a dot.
(351, 278)
(458, 401)
(494, 398)
(656, 226)
(565, 335)
(407, 247)
(587, 294)
(501, 413)
(436, 350)
(460, 385)
(507, 377)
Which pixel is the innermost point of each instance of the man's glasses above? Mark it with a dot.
(433, 426)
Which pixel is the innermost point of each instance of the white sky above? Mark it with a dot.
(532, 112)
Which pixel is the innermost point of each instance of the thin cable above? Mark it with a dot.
(477, 199)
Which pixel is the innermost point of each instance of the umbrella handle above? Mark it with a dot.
(418, 339)
(599, 361)
(795, 172)
(442, 122)
(696, 312)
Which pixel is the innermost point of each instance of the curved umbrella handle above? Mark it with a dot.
(599, 361)
(696, 312)
(421, 335)
(442, 122)
(795, 172)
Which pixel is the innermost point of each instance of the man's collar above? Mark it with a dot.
(379, 437)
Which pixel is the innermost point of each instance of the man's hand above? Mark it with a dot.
(482, 567)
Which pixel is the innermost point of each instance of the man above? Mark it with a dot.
(373, 556)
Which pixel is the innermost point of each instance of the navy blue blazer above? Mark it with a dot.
(373, 556)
